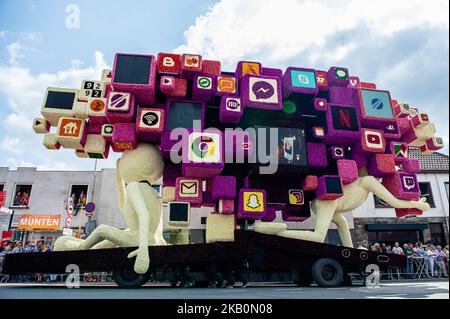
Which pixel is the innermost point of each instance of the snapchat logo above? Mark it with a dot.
(253, 202)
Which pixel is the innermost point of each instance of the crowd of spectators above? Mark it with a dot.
(434, 258)
(36, 247)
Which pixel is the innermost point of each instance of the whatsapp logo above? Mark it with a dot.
(204, 82)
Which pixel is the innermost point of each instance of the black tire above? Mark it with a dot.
(128, 278)
(327, 273)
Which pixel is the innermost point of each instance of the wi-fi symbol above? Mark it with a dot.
(150, 118)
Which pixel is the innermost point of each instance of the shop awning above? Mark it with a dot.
(392, 227)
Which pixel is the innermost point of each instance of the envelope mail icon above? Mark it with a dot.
(189, 188)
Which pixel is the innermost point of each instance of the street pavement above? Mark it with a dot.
(420, 289)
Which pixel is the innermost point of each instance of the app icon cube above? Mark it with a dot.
(204, 156)
(96, 146)
(338, 76)
(211, 67)
(124, 137)
(347, 170)
(71, 132)
(135, 74)
(247, 67)
(96, 111)
(373, 141)
(231, 109)
(150, 124)
(179, 214)
(51, 141)
(223, 187)
(168, 63)
(58, 102)
(203, 88)
(329, 187)
(41, 126)
(403, 185)
(121, 107)
(381, 165)
(252, 204)
(188, 190)
(261, 92)
(91, 89)
(300, 81)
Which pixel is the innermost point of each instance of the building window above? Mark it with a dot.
(2, 186)
(425, 190)
(21, 198)
(437, 234)
(78, 197)
(447, 188)
(379, 203)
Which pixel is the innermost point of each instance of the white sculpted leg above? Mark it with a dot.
(324, 214)
(343, 230)
(371, 184)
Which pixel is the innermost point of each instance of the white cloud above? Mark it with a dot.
(23, 90)
(11, 144)
(3, 34)
(16, 52)
(401, 45)
(274, 30)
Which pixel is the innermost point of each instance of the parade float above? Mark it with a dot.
(254, 145)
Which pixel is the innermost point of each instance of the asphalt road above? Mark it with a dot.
(387, 290)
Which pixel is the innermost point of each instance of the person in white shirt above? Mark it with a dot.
(397, 249)
(431, 253)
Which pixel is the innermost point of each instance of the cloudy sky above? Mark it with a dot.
(402, 45)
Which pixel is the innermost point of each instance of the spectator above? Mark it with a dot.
(376, 248)
(17, 247)
(397, 249)
(424, 254)
(39, 246)
(25, 199)
(446, 257)
(17, 199)
(409, 252)
(29, 247)
(388, 249)
(6, 250)
(431, 253)
(440, 257)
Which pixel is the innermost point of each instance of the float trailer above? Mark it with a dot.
(259, 257)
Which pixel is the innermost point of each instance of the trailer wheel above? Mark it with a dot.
(128, 278)
(327, 273)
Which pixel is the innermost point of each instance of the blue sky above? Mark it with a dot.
(401, 45)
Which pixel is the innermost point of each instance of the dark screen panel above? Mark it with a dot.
(344, 118)
(179, 212)
(291, 145)
(182, 114)
(132, 69)
(333, 185)
(59, 100)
